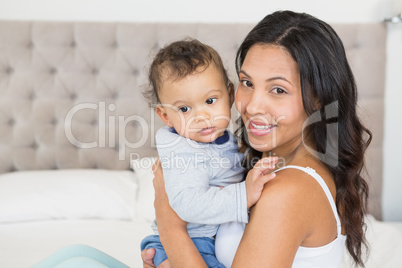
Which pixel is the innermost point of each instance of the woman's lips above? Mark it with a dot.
(259, 129)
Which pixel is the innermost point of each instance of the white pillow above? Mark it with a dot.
(67, 194)
(146, 194)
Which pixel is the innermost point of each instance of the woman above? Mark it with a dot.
(296, 96)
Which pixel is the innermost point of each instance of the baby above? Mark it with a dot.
(199, 156)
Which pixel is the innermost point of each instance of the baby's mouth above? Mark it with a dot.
(207, 131)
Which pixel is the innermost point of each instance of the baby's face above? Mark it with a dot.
(197, 106)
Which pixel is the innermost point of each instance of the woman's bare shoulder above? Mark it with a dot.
(292, 192)
(279, 221)
(297, 183)
(289, 181)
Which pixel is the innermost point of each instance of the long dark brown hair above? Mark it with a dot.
(326, 77)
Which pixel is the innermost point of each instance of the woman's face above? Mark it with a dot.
(269, 100)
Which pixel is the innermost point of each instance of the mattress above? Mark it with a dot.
(43, 211)
(24, 244)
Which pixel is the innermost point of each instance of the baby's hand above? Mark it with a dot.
(257, 177)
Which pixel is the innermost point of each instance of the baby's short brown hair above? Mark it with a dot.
(178, 60)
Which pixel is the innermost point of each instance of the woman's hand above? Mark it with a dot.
(165, 215)
(178, 245)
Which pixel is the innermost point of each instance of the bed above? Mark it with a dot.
(77, 138)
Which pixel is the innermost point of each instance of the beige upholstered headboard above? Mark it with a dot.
(69, 92)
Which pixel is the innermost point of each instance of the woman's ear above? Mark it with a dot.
(161, 112)
(231, 94)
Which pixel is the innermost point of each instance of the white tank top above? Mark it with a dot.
(330, 255)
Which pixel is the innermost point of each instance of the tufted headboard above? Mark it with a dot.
(70, 92)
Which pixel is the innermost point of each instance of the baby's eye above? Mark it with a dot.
(246, 83)
(211, 100)
(184, 109)
(279, 90)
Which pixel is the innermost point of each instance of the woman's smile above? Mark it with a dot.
(260, 129)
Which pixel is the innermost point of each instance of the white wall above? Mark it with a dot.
(187, 10)
(334, 11)
(392, 196)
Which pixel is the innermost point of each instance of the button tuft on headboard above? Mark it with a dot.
(32, 96)
(12, 169)
(115, 95)
(11, 122)
(34, 145)
(53, 70)
(54, 121)
(156, 46)
(10, 70)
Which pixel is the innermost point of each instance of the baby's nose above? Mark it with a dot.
(202, 116)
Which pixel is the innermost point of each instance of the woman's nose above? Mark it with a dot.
(256, 104)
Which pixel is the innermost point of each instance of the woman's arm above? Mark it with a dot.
(172, 230)
(280, 222)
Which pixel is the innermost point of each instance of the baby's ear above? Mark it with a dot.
(161, 112)
(231, 94)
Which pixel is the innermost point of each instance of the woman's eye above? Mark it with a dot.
(246, 83)
(211, 100)
(279, 90)
(184, 109)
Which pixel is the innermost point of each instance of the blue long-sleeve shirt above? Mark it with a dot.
(193, 171)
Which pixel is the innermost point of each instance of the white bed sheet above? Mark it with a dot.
(385, 242)
(24, 244)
